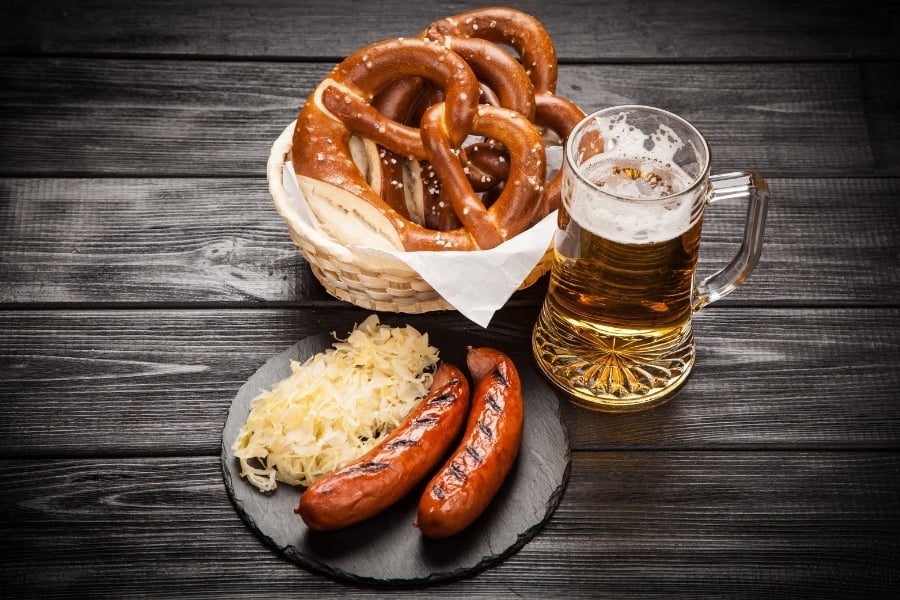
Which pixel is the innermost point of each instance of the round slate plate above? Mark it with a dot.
(387, 549)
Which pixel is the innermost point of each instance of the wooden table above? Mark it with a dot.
(144, 276)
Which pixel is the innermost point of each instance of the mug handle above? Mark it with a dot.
(742, 184)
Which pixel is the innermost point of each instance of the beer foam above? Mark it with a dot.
(640, 170)
(631, 222)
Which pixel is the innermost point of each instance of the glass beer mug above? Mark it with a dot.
(614, 332)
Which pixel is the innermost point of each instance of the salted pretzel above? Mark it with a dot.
(503, 82)
(398, 115)
(530, 40)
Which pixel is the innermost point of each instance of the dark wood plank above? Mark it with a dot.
(828, 241)
(144, 275)
(80, 117)
(581, 30)
(218, 241)
(147, 240)
(154, 382)
(881, 85)
(90, 117)
(631, 525)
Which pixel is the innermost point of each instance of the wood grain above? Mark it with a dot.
(220, 241)
(147, 240)
(639, 30)
(630, 525)
(144, 275)
(106, 117)
(882, 90)
(161, 381)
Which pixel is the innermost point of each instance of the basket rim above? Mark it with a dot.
(278, 158)
(333, 263)
(313, 243)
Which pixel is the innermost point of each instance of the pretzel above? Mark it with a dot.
(527, 36)
(503, 82)
(500, 25)
(380, 142)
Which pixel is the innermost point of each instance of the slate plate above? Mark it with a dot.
(387, 549)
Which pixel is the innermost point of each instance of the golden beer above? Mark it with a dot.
(615, 326)
(615, 329)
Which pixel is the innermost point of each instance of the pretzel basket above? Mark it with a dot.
(385, 284)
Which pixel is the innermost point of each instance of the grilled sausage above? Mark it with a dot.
(471, 477)
(389, 471)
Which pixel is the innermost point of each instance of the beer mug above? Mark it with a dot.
(614, 332)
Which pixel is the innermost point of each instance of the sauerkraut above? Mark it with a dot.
(334, 406)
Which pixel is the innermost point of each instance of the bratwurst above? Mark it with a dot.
(473, 474)
(389, 471)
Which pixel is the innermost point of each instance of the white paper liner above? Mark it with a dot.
(476, 283)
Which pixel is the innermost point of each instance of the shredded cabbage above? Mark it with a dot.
(334, 406)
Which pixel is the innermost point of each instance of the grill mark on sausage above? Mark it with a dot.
(425, 421)
(500, 377)
(445, 398)
(458, 473)
(438, 491)
(492, 402)
(488, 433)
(369, 467)
(401, 443)
(474, 453)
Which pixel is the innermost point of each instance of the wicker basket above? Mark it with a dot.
(387, 284)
